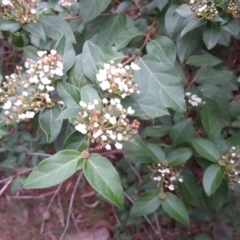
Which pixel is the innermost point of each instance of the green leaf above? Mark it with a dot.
(187, 44)
(211, 76)
(74, 141)
(178, 156)
(192, 25)
(156, 153)
(125, 36)
(217, 199)
(110, 28)
(207, 149)
(146, 204)
(30, 52)
(55, 27)
(136, 150)
(184, 10)
(232, 27)
(189, 188)
(157, 131)
(203, 59)
(75, 75)
(160, 3)
(211, 124)
(211, 34)
(157, 90)
(70, 94)
(234, 141)
(69, 113)
(212, 178)
(49, 123)
(181, 131)
(89, 94)
(91, 56)
(35, 28)
(90, 9)
(174, 207)
(9, 25)
(104, 178)
(164, 48)
(53, 170)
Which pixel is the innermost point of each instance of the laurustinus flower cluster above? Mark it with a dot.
(19, 10)
(166, 176)
(231, 162)
(118, 79)
(233, 9)
(22, 95)
(203, 9)
(194, 100)
(105, 122)
(67, 3)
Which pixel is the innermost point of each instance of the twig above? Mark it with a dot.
(158, 227)
(196, 77)
(17, 174)
(75, 223)
(138, 6)
(129, 60)
(146, 218)
(134, 170)
(148, 34)
(39, 154)
(71, 204)
(5, 186)
(33, 197)
(49, 204)
(115, 215)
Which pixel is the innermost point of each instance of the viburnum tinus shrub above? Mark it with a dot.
(156, 81)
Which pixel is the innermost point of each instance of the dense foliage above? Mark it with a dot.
(153, 81)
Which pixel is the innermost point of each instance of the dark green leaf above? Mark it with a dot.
(74, 141)
(145, 204)
(212, 178)
(207, 149)
(174, 207)
(232, 27)
(155, 152)
(9, 25)
(49, 123)
(211, 34)
(181, 131)
(203, 59)
(103, 177)
(90, 9)
(53, 170)
(35, 28)
(192, 25)
(178, 156)
(184, 10)
(157, 131)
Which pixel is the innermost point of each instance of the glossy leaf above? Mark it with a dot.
(145, 204)
(156, 153)
(35, 28)
(203, 59)
(212, 178)
(49, 123)
(178, 156)
(207, 149)
(157, 131)
(103, 177)
(174, 207)
(9, 25)
(211, 34)
(74, 141)
(53, 170)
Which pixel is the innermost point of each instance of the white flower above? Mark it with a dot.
(59, 72)
(130, 110)
(6, 112)
(180, 180)
(41, 53)
(107, 115)
(233, 154)
(82, 104)
(108, 147)
(112, 102)
(171, 187)
(173, 178)
(30, 114)
(119, 107)
(106, 66)
(113, 120)
(24, 93)
(104, 138)
(102, 75)
(134, 66)
(33, 11)
(119, 137)
(47, 97)
(81, 128)
(118, 145)
(45, 80)
(105, 85)
(95, 125)
(22, 116)
(7, 105)
(187, 93)
(91, 106)
(105, 101)
(53, 52)
(41, 87)
(49, 88)
(97, 134)
(18, 103)
(6, 2)
(33, 79)
(96, 102)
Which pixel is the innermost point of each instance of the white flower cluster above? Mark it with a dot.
(166, 176)
(21, 98)
(67, 3)
(105, 122)
(233, 9)
(118, 79)
(231, 162)
(21, 11)
(194, 100)
(203, 9)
